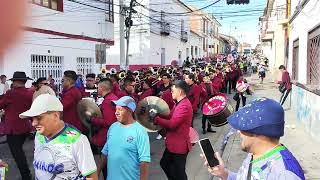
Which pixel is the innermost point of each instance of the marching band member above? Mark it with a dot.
(216, 82)
(206, 93)
(178, 143)
(128, 89)
(194, 93)
(228, 79)
(166, 84)
(115, 84)
(15, 101)
(108, 112)
(240, 95)
(42, 88)
(90, 88)
(70, 98)
(146, 90)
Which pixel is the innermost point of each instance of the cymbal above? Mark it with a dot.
(151, 102)
(87, 109)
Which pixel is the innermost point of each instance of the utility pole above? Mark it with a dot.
(121, 32)
(128, 25)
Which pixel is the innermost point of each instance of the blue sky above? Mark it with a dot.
(240, 21)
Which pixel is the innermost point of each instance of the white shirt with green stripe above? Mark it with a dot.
(67, 155)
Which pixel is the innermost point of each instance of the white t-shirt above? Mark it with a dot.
(66, 156)
(4, 88)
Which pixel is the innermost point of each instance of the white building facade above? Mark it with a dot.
(160, 34)
(274, 32)
(304, 63)
(61, 35)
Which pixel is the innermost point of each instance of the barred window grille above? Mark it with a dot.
(295, 60)
(44, 66)
(84, 65)
(313, 61)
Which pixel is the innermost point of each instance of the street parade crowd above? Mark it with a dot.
(65, 142)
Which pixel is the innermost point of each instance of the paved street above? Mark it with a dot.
(306, 150)
(303, 147)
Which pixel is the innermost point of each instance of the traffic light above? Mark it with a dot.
(238, 2)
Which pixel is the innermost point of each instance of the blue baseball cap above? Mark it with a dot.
(263, 116)
(126, 101)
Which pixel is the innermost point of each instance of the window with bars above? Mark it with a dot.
(295, 60)
(45, 66)
(51, 4)
(109, 10)
(84, 65)
(313, 61)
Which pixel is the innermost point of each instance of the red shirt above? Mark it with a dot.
(15, 102)
(108, 118)
(70, 99)
(216, 84)
(167, 97)
(125, 93)
(206, 92)
(115, 88)
(145, 94)
(194, 96)
(200, 77)
(177, 137)
(286, 80)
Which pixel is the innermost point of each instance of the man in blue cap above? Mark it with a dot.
(261, 124)
(127, 151)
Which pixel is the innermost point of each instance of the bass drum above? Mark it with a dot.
(218, 109)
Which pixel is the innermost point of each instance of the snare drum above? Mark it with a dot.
(218, 109)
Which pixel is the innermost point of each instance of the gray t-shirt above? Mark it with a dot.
(277, 164)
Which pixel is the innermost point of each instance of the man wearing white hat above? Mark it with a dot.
(61, 151)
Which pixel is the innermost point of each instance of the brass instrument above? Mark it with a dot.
(113, 71)
(122, 75)
(137, 73)
(103, 72)
(208, 69)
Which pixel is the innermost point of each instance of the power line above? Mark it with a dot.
(205, 7)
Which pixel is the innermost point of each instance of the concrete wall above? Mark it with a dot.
(307, 108)
(306, 21)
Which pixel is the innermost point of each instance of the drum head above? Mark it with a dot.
(215, 105)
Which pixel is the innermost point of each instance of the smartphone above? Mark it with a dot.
(208, 152)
